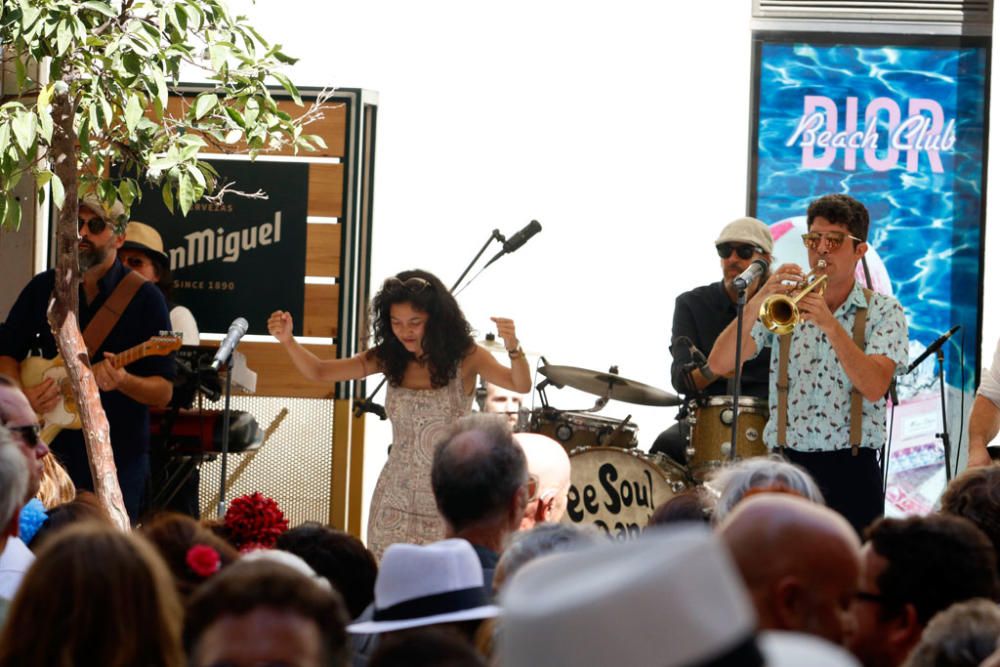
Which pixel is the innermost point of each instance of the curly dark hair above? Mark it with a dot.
(447, 334)
(841, 210)
(933, 562)
(975, 495)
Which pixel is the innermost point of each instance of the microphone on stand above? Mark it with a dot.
(517, 240)
(757, 268)
(933, 347)
(237, 330)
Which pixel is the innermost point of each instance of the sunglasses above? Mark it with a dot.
(742, 251)
(833, 239)
(96, 225)
(31, 434)
(412, 285)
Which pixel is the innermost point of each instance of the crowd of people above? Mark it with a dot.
(781, 559)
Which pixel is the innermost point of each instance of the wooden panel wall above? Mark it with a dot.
(276, 376)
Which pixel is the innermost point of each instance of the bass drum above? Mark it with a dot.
(583, 429)
(618, 490)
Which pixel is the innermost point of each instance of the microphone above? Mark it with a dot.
(934, 347)
(517, 240)
(236, 331)
(757, 268)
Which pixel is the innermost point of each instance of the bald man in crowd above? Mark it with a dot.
(800, 562)
(548, 470)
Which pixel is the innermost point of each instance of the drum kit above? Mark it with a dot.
(616, 486)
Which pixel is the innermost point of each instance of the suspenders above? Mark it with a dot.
(784, 347)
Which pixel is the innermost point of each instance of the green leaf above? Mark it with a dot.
(237, 117)
(42, 178)
(316, 140)
(288, 86)
(185, 192)
(12, 219)
(21, 72)
(45, 127)
(58, 191)
(4, 203)
(232, 136)
(168, 196)
(127, 191)
(133, 112)
(205, 103)
(100, 8)
(161, 87)
(64, 36)
(24, 126)
(4, 137)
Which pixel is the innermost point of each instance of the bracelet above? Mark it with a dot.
(706, 371)
(516, 353)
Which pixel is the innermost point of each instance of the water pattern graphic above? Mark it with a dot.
(925, 223)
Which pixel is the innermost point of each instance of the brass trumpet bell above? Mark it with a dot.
(780, 313)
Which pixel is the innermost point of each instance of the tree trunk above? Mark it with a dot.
(63, 317)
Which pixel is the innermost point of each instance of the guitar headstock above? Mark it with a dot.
(163, 344)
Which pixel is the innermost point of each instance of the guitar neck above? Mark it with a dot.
(128, 356)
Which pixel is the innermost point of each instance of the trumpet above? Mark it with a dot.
(780, 313)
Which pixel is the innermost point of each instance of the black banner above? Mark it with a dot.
(244, 257)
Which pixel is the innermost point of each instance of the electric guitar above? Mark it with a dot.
(66, 413)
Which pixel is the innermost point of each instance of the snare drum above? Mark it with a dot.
(711, 432)
(583, 429)
(618, 489)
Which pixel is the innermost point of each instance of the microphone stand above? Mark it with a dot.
(945, 438)
(741, 300)
(220, 511)
(367, 404)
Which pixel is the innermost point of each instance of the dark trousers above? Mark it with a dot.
(851, 485)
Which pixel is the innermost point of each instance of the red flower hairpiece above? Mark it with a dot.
(255, 521)
(203, 560)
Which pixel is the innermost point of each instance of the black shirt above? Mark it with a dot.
(701, 314)
(27, 330)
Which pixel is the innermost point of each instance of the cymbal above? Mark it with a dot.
(607, 384)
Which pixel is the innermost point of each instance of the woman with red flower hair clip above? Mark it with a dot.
(423, 344)
(192, 552)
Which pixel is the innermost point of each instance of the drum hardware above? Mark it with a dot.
(608, 386)
(780, 313)
(582, 429)
(710, 444)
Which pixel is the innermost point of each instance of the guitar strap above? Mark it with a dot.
(104, 321)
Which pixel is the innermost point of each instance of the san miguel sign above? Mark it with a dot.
(243, 257)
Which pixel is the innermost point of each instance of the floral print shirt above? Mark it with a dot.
(819, 391)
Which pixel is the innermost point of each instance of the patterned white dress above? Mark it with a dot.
(403, 507)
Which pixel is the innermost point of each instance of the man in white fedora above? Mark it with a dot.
(671, 598)
(432, 584)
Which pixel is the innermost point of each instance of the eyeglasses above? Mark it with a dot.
(96, 225)
(833, 239)
(414, 285)
(742, 251)
(31, 434)
(532, 485)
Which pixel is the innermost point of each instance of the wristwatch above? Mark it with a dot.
(516, 353)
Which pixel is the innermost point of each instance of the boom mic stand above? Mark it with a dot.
(741, 300)
(367, 404)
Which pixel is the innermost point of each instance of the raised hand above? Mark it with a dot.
(505, 329)
(279, 325)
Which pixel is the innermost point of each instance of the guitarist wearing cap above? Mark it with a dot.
(125, 311)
